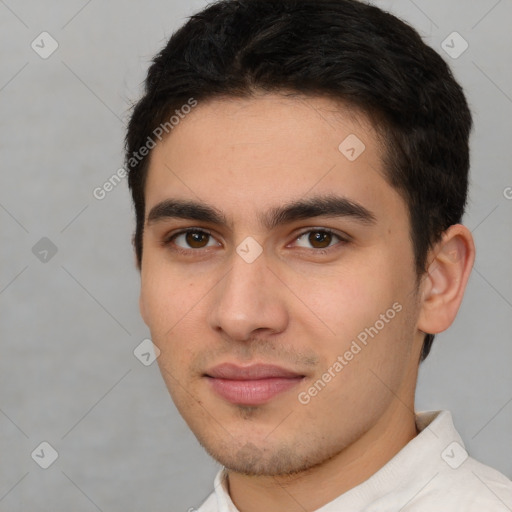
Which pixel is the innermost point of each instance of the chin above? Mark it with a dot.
(253, 460)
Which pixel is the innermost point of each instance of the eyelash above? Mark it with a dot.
(169, 239)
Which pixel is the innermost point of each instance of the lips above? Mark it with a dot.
(251, 385)
(253, 372)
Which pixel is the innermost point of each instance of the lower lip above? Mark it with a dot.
(252, 392)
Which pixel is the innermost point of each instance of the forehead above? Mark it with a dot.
(252, 154)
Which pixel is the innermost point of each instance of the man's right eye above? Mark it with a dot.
(191, 239)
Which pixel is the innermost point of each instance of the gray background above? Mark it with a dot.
(69, 325)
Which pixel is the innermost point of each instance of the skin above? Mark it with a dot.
(297, 305)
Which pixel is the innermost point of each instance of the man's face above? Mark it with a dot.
(337, 309)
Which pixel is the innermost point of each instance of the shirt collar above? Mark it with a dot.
(398, 480)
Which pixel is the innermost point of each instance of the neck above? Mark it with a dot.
(310, 490)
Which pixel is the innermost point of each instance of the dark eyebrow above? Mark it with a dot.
(180, 209)
(318, 206)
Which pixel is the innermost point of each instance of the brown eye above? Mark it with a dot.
(318, 239)
(192, 239)
(196, 239)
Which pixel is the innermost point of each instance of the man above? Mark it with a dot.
(299, 171)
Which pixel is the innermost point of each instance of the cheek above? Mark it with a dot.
(172, 307)
(364, 319)
(166, 297)
(345, 302)
(363, 369)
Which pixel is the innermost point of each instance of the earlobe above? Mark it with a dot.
(451, 261)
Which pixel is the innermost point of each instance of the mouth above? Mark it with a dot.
(251, 385)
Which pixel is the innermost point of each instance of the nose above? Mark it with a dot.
(249, 300)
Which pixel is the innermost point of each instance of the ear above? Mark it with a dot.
(450, 264)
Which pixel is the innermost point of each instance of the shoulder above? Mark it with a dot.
(470, 487)
(443, 476)
(209, 505)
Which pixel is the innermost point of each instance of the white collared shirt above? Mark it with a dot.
(432, 473)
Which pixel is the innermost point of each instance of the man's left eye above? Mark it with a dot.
(318, 239)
